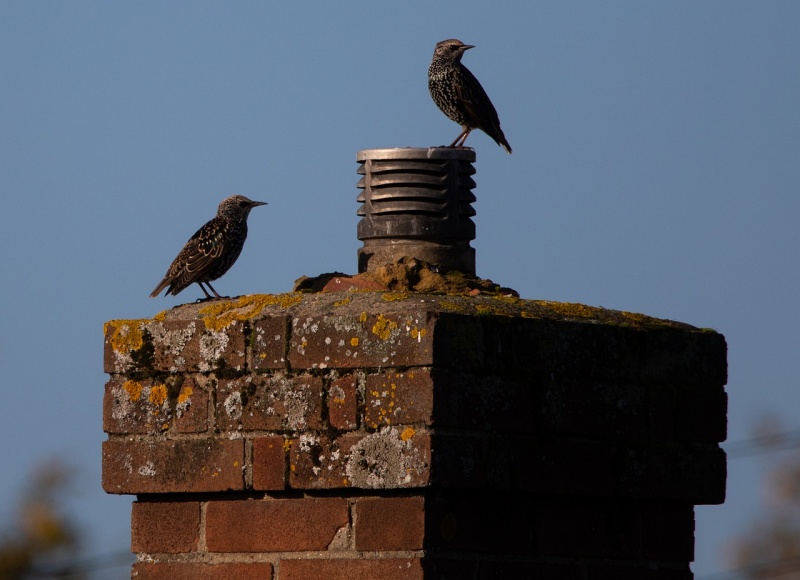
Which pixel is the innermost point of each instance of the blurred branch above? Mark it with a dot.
(766, 443)
(39, 530)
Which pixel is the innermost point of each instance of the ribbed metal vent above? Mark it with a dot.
(417, 202)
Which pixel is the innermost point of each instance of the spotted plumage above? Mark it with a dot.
(460, 96)
(212, 250)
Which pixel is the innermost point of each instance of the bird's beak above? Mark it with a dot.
(255, 203)
(467, 46)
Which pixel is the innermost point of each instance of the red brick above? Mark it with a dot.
(171, 346)
(389, 523)
(447, 568)
(574, 527)
(343, 403)
(559, 465)
(203, 351)
(165, 527)
(499, 570)
(341, 569)
(191, 408)
(136, 406)
(394, 398)
(693, 475)
(274, 525)
(486, 403)
(701, 414)
(390, 458)
(460, 460)
(368, 340)
(148, 406)
(269, 463)
(668, 531)
(269, 343)
(643, 572)
(470, 521)
(172, 466)
(594, 409)
(273, 403)
(193, 571)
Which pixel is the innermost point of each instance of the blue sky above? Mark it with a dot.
(655, 169)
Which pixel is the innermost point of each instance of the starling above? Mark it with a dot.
(212, 250)
(460, 96)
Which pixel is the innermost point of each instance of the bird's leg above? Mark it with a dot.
(215, 292)
(459, 142)
(203, 288)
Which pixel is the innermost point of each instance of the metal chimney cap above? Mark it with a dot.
(460, 154)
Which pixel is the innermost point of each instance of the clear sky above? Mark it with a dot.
(655, 169)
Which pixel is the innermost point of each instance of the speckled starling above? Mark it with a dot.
(460, 96)
(212, 250)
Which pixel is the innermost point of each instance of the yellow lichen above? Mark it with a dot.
(184, 395)
(158, 394)
(383, 327)
(393, 296)
(134, 389)
(160, 316)
(127, 335)
(363, 317)
(354, 341)
(286, 445)
(510, 300)
(407, 434)
(342, 302)
(220, 315)
(571, 310)
(447, 305)
(418, 333)
(484, 309)
(643, 318)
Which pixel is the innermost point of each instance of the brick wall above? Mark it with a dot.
(380, 435)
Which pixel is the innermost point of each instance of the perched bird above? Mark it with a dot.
(460, 96)
(212, 250)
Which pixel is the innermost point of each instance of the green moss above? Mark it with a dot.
(487, 310)
(572, 310)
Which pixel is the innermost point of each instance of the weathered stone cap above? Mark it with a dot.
(220, 313)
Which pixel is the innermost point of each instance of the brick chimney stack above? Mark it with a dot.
(405, 435)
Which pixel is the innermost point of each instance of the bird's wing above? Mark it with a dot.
(205, 246)
(475, 100)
